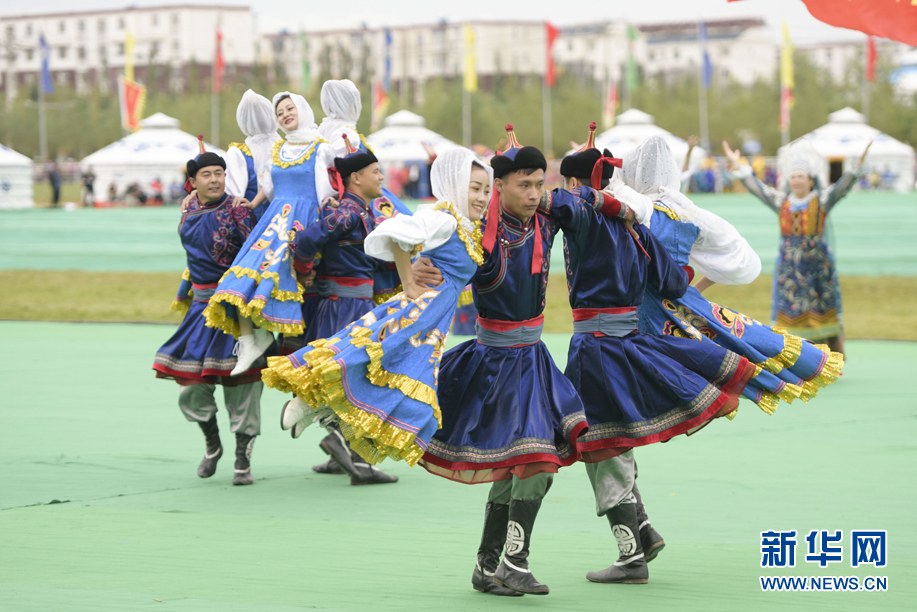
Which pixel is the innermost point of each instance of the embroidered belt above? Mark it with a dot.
(203, 293)
(493, 332)
(343, 287)
(615, 322)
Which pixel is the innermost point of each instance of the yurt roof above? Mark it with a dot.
(9, 157)
(403, 136)
(159, 143)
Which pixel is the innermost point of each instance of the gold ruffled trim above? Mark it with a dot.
(382, 298)
(768, 403)
(792, 349)
(318, 383)
(277, 294)
(830, 372)
(181, 306)
(186, 275)
(380, 377)
(466, 297)
(473, 242)
(365, 144)
(242, 147)
(671, 214)
(732, 414)
(275, 153)
(215, 316)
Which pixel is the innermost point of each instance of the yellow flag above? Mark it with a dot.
(471, 68)
(129, 56)
(786, 59)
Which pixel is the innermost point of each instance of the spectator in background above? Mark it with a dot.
(156, 188)
(176, 192)
(89, 196)
(413, 180)
(758, 166)
(112, 194)
(55, 179)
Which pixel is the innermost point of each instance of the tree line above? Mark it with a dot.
(81, 124)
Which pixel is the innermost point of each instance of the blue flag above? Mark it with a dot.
(387, 75)
(47, 84)
(707, 74)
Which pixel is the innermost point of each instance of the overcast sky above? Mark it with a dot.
(275, 15)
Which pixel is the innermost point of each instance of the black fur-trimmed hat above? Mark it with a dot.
(202, 161)
(582, 163)
(354, 161)
(516, 157)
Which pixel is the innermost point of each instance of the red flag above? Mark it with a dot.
(871, 60)
(132, 98)
(218, 64)
(552, 33)
(883, 18)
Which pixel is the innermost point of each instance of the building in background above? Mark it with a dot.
(89, 48)
(418, 53)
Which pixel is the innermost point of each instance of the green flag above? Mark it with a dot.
(304, 51)
(631, 62)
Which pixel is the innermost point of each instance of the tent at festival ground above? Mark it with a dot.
(399, 146)
(402, 139)
(15, 179)
(158, 151)
(842, 140)
(633, 127)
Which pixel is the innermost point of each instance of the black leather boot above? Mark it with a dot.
(243, 473)
(514, 571)
(329, 467)
(650, 539)
(208, 465)
(496, 517)
(335, 444)
(365, 474)
(630, 568)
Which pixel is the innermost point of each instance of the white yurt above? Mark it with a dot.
(633, 127)
(402, 138)
(844, 138)
(159, 150)
(15, 180)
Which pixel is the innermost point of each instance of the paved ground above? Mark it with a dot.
(86, 424)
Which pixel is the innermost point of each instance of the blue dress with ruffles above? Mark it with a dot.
(379, 373)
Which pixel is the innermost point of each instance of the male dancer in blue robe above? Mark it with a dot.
(344, 276)
(636, 389)
(213, 228)
(509, 415)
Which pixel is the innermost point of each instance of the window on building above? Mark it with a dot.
(121, 49)
(176, 46)
(154, 49)
(651, 56)
(62, 52)
(101, 25)
(28, 29)
(81, 53)
(570, 46)
(28, 54)
(10, 32)
(154, 19)
(591, 45)
(62, 26)
(176, 18)
(121, 23)
(725, 51)
(102, 52)
(81, 25)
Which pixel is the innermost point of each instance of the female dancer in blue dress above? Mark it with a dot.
(787, 367)
(260, 293)
(378, 375)
(807, 294)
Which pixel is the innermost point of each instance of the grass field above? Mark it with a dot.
(101, 510)
(874, 307)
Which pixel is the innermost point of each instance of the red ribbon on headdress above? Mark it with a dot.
(492, 221)
(334, 177)
(596, 177)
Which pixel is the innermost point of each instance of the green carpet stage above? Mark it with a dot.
(872, 234)
(101, 509)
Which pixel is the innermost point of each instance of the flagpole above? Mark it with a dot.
(42, 123)
(702, 92)
(466, 117)
(546, 111)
